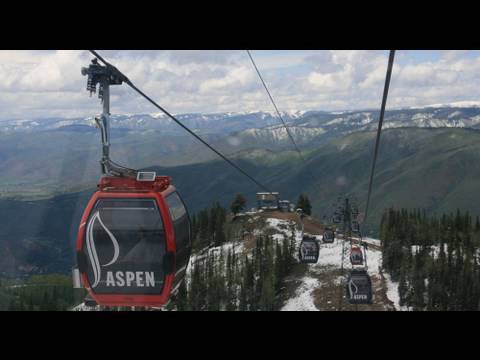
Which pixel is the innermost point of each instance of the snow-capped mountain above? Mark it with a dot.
(338, 124)
(458, 104)
(273, 136)
(218, 123)
(327, 124)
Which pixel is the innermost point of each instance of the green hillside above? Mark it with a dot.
(435, 169)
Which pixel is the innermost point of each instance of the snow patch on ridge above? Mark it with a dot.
(303, 300)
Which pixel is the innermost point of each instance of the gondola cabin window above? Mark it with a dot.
(181, 225)
(125, 247)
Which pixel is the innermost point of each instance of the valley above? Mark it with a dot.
(54, 171)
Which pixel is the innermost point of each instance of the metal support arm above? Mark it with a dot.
(104, 76)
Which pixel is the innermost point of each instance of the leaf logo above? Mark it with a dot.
(352, 290)
(92, 251)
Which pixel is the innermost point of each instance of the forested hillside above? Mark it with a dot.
(435, 260)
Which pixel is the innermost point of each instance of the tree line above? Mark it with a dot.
(434, 259)
(227, 280)
(208, 227)
(222, 278)
(39, 293)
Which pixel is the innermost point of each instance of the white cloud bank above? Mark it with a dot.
(37, 84)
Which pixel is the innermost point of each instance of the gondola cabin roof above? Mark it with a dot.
(309, 238)
(127, 184)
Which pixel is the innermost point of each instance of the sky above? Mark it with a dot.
(46, 83)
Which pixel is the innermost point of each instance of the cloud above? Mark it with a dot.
(235, 77)
(29, 71)
(453, 54)
(333, 82)
(45, 83)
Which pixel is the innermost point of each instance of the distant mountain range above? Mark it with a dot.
(40, 158)
(461, 114)
(204, 123)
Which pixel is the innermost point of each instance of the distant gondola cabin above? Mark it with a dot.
(328, 236)
(356, 256)
(284, 205)
(309, 250)
(359, 287)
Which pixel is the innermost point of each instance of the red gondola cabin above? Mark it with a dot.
(133, 244)
(356, 256)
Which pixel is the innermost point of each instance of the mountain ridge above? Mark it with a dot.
(61, 154)
(231, 121)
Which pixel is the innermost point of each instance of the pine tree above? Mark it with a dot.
(45, 301)
(402, 284)
(212, 224)
(238, 204)
(418, 300)
(11, 305)
(203, 228)
(196, 298)
(31, 307)
(211, 283)
(279, 267)
(231, 303)
(250, 284)
(303, 203)
(182, 297)
(245, 286)
(219, 230)
(21, 306)
(54, 300)
(221, 281)
(267, 297)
